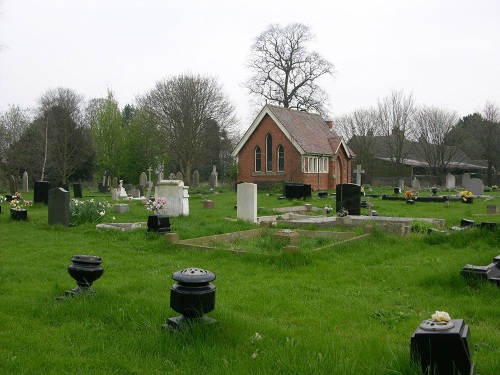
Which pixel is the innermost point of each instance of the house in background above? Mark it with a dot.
(293, 146)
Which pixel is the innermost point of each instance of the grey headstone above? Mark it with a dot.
(115, 183)
(171, 176)
(450, 181)
(143, 179)
(475, 186)
(179, 176)
(149, 186)
(12, 185)
(212, 181)
(128, 188)
(196, 179)
(58, 207)
(415, 184)
(25, 181)
(358, 171)
(141, 189)
(135, 193)
(114, 194)
(401, 185)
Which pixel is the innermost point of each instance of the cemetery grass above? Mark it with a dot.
(348, 309)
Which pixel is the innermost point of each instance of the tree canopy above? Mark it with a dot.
(285, 72)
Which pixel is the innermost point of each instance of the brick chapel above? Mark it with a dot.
(293, 146)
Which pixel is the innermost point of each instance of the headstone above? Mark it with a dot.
(415, 184)
(121, 208)
(401, 185)
(348, 197)
(105, 182)
(114, 194)
(196, 179)
(141, 189)
(12, 185)
(171, 176)
(292, 190)
(128, 188)
(58, 207)
(159, 173)
(115, 183)
(135, 193)
(149, 186)
(149, 173)
(212, 181)
(176, 195)
(77, 190)
(247, 202)
(41, 192)
(25, 181)
(358, 173)
(450, 181)
(143, 179)
(475, 186)
(179, 176)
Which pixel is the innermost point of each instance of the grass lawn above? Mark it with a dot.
(347, 309)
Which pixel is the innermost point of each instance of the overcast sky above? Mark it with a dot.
(445, 52)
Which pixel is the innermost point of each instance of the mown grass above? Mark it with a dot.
(348, 309)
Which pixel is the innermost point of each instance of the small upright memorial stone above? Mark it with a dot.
(77, 190)
(415, 184)
(450, 181)
(401, 185)
(213, 178)
(358, 171)
(247, 202)
(12, 185)
(179, 176)
(143, 179)
(25, 182)
(58, 207)
(196, 179)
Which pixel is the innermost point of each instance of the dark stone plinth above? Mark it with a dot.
(322, 194)
(466, 223)
(159, 223)
(58, 210)
(348, 197)
(77, 190)
(293, 190)
(443, 351)
(18, 214)
(41, 192)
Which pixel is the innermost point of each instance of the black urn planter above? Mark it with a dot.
(192, 296)
(434, 190)
(85, 269)
(18, 214)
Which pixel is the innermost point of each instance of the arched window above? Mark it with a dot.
(258, 160)
(281, 158)
(269, 153)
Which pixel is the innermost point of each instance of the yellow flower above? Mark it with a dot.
(441, 316)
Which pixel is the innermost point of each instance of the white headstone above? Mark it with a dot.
(25, 181)
(114, 194)
(176, 195)
(143, 179)
(401, 185)
(247, 202)
(450, 181)
(415, 184)
(121, 190)
(358, 173)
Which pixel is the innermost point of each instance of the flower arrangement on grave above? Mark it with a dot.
(467, 196)
(156, 205)
(410, 195)
(87, 211)
(2, 199)
(494, 187)
(18, 202)
(441, 317)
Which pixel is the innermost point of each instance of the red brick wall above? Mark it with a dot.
(293, 167)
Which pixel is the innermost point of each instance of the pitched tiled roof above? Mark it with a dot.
(308, 130)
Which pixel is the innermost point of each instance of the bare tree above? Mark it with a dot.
(184, 108)
(284, 72)
(395, 120)
(488, 138)
(433, 129)
(359, 129)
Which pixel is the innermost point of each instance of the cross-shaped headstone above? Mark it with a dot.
(149, 173)
(358, 173)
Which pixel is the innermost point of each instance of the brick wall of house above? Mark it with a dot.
(246, 171)
(293, 161)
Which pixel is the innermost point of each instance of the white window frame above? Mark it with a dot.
(315, 164)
